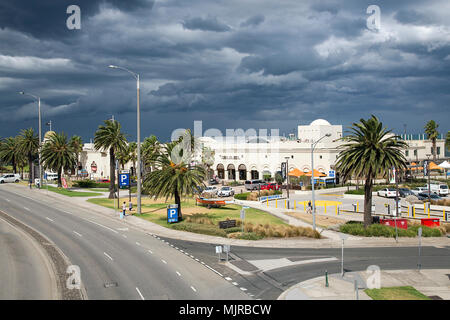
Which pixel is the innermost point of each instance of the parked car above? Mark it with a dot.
(418, 190)
(253, 184)
(213, 181)
(10, 177)
(212, 190)
(104, 181)
(387, 192)
(439, 188)
(404, 192)
(424, 196)
(225, 192)
(270, 186)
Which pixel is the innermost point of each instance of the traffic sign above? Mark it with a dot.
(172, 214)
(124, 179)
(332, 174)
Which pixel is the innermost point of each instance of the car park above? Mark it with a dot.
(10, 177)
(387, 192)
(225, 192)
(418, 190)
(211, 190)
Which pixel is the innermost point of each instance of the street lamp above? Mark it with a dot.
(313, 145)
(287, 180)
(39, 111)
(136, 76)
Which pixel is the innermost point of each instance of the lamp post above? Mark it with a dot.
(39, 151)
(428, 174)
(313, 145)
(138, 169)
(287, 180)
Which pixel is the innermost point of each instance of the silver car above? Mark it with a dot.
(226, 192)
(10, 177)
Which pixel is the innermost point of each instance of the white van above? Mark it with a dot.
(439, 188)
(10, 177)
(51, 176)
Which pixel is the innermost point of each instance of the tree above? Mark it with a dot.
(149, 151)
(432, 134)
(58, 154)
(29, 145)
(132, 149)
(9, 152)
(77, 145)
(123, 156)
(207, 160)
(172, 177)
(370, 150)
(447, 141)
(109, 137)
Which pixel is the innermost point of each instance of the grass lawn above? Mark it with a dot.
(70, 193)
(396, 293)
(200, 219)
(321, 220)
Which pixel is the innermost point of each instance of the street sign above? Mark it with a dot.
(283, 170)
(332, 174)
(242, 214)
(219, 249)
(226, 248)
(172, 213)
(124, 179)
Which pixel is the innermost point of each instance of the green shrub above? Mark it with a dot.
(200, 228)
(241, 196)
(249, 236)
(84, 184)
(232, 230)
(379, 230)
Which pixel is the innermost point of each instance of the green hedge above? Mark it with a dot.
(89, 184)
(211, 230)
(241, 196)
(379, 230)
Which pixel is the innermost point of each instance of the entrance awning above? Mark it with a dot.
(296, 173)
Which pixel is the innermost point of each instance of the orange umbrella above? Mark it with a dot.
(296, 173)
(434, 166)
(316, 174)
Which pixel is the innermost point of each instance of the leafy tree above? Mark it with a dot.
(29, 145)
(123, 156)
(149, 150)
(9, 151)
(109, 137)
(58, 154)
(278, 178)
(432, 133)
(132, 149)
(172, 177)
(370, 150)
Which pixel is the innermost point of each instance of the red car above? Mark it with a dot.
(270, 186)
(104, 181)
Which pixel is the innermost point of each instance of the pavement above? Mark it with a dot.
(434, 283)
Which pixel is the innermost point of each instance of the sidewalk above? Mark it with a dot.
(149, 227)
(430, 282)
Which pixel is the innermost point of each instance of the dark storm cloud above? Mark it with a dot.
(206, 24)
(227, 62)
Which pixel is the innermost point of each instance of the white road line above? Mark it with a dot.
(102, 225)
(142, 297)
(137, 243)
(179, 274)
(26, 209)
(77, 233)
(195, 290)
(214, 270)
(235, 283)
(164, 261)
(108, 256)
(49, 219)
(228, 278)
(124, 236)
(7, 200)
(150, 251)
(243, 289)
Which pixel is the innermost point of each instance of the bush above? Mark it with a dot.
(379, 230)
(199, 228)
(241, 196)
(84, 184)
(199, 218)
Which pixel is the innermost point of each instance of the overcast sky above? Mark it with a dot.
(230, 63)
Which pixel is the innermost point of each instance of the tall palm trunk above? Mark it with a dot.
(14, 165)
(59, 177)
(178, 202)
(112, 175)
(368, 200)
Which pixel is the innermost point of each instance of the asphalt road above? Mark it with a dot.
(26, 274)
(116, 262)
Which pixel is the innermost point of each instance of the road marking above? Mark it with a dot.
(243, 289)
(214, 270)
(142, 297)
(195, 290)
(137, 243)
(124, 236)
(108, 256)
(26, 209)
(49, 219)
(150, 251)
(7, 200)
(235, 283)
(228, 278)
(179, 274)
(77, 233)
(102, 225)
(164, 261)
(122, 229)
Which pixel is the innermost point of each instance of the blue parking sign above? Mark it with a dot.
(124, 179)
(172, 215)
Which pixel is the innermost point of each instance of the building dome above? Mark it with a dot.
(48, 134)
(320, 122)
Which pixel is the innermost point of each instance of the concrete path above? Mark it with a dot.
(431, 282)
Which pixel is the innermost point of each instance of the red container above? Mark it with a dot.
(401, 223)
(430, 222)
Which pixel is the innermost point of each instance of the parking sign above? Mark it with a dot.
(172, 213)
(124, 179)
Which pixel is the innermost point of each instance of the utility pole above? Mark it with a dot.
(287, 180)
(428, 174)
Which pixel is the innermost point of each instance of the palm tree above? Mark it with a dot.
(207, 160)
(447, 140)
(132, 149)
(9, 151)
(432, 133)
(370, 150)
(29, 145)
(57, 154)
(77, 145)
(123, 156)
(149, 151)
(109, 137)
(171, 178)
